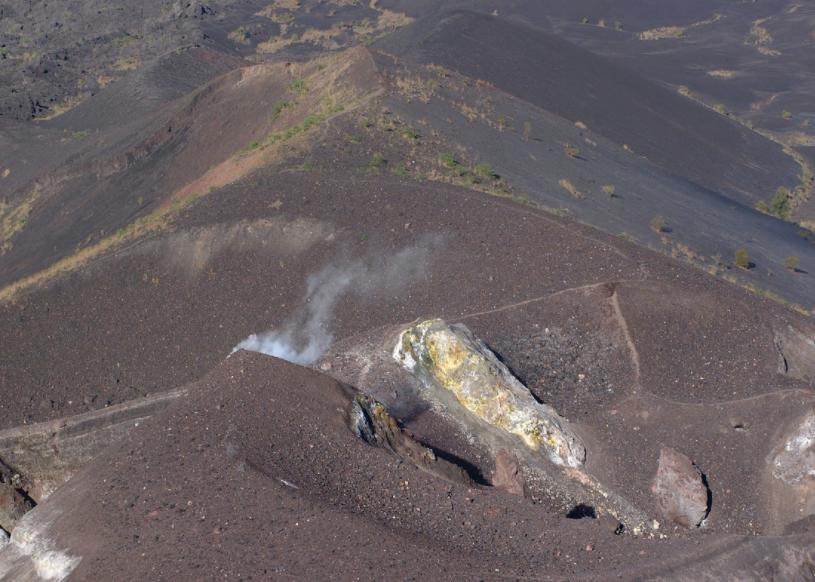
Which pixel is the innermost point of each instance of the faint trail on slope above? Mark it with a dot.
(632, 348)
(526, 302)
(783, 393)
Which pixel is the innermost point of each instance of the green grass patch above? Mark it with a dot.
(298, 87)
(742, 259)
(376, 162)
(409, 134)
(399, 170)
(485, 172)
(311, 121)
(279, 108)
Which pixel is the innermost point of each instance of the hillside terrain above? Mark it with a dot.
(218, 220)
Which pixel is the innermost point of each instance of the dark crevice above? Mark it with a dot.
(709, 498)
(582, 511)
(784, 366)
(14, 499)
(472, 471)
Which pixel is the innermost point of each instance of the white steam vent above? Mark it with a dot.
(307, 334)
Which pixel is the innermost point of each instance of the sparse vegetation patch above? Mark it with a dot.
(780, 204)
(792, 263)
(659, 224)
(240, 35)
(664, 32)
(571, 150)
(376, 162)
(571, 188)
(742, 258)
(722, 74)
(761, 38)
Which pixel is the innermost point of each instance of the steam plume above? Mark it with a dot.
(307, 334)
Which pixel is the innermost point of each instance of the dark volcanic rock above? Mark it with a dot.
(680, 489)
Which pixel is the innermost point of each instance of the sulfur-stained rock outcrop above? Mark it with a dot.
(450, 357)
(536, 451)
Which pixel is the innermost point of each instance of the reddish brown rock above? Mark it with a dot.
(506, 475)
(680, 489)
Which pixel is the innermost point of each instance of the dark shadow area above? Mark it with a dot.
(709, 497)
(582, 511)
(472, 471)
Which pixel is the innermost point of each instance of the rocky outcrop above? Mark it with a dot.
(791, 465)
(537, 452)
(14, 501)
(370, 421)
(507, 474)
(794, 462)
(680, 490)
(451, 358)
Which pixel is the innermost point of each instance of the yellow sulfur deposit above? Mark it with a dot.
(451, 358)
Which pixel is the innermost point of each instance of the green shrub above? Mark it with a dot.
(527, 130)
(377, 161)
(762, 206)
(240, 35)
(792, 262)
(742, 258)
(298, 87)
(279, 108)
(780, 203)
(485, 172)
(448, 160)
(659, 224)
(571, 151)
(409, 133)
(399, 169)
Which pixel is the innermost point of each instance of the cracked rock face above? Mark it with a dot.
(680, 490)
(449, 357)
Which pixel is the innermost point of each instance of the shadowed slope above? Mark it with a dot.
(555, 75)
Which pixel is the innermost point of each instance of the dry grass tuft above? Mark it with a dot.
(571, 189)
(722, 74)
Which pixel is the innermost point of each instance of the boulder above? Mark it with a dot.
(507, 475)
(794, 461)
(450, 357)
(680, 490)
(792, 466)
